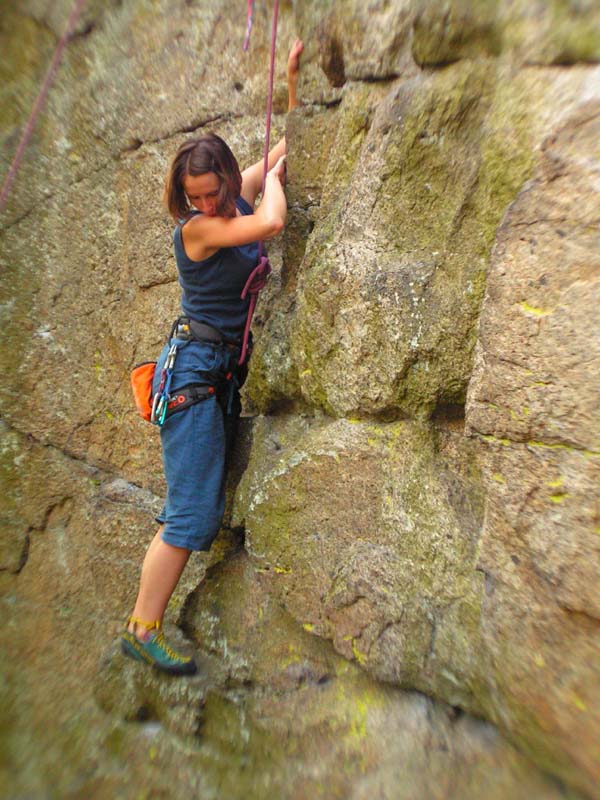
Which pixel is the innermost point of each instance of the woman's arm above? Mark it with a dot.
(252, 176)
(203, 235)
(293, 70)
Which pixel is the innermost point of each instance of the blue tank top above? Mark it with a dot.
(211, 288)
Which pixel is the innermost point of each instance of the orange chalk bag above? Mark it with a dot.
(142, 376)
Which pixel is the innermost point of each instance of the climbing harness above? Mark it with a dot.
(190, 329)
(158, 407)
(259, 275)
(39, 101)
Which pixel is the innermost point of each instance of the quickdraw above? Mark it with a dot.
(161, 398)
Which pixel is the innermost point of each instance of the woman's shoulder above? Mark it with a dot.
(184, 220)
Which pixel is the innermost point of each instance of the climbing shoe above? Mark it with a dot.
(156, 651)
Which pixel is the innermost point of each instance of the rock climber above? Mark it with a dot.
(216, 248)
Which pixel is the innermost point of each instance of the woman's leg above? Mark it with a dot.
(162, 568)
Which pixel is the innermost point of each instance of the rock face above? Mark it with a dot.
(416, 501)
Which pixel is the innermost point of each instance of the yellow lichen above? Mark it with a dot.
(489, 438)
(360, 657)
(558, 498)
(537, 312)
(577, 701)
(568, 448)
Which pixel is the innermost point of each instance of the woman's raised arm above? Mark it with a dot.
(252, 176)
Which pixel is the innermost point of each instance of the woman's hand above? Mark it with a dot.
(278, 171)
(293, 68)
(252, 176)
(293, 63)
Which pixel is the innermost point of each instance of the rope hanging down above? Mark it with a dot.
(28, 130)
(259, 276)
(248, 24)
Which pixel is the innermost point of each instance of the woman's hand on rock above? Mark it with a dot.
(293, 63)
(278, 170)
(293, 68)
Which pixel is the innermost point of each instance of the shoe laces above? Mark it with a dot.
(159, 639)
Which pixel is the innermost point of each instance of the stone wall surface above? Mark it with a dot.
(412, 537)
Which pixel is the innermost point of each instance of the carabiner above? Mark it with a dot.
(155, 400)
(160, 403)
(172, 355)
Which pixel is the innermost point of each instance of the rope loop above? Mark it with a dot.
(258, 278)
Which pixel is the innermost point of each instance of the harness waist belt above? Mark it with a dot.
(191, 329)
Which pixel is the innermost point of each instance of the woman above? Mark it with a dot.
(216, 250)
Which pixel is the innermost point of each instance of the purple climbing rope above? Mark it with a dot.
(28, 130)
(258, 277)
(249, 23)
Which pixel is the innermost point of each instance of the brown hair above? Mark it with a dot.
(208, 153)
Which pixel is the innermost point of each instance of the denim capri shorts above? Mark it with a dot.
(196, 443)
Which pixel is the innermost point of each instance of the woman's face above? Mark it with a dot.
(203, 191)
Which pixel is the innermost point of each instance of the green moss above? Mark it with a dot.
(115, 742)
(451, 185)
(26, 52)
(572, 34)
(353, 122)
(446, 32)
